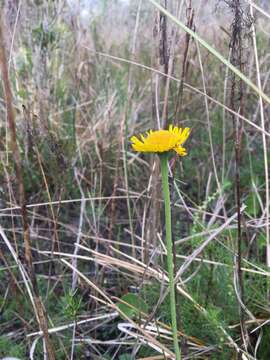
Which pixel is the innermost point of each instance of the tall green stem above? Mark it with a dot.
(166, 194)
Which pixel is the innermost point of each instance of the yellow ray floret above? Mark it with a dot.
(162, 140)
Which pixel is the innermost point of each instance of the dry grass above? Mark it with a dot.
(82, 83)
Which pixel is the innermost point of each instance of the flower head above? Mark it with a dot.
(162, 140)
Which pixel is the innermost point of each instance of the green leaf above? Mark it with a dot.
(125, 357)
(253, 206)
(261, 241)
(131, 305)
(226, 185)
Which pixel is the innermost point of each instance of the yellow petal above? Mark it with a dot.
(180, 150)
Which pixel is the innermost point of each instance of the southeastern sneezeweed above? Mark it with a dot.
(162, 142)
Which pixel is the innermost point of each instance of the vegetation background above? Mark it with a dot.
(82, 254)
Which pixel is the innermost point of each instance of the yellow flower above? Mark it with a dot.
(162, 140)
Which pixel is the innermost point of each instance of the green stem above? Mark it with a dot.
(166, 194)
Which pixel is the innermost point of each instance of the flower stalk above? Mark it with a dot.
(162, 142)
(169, 244)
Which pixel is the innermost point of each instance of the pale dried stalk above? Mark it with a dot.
(79, 234)
(265, 156)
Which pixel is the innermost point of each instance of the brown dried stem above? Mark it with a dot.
(41, 314)
(237, 104)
